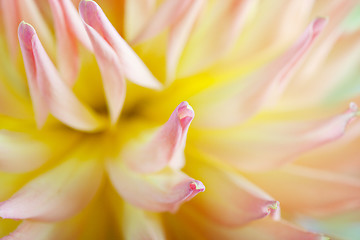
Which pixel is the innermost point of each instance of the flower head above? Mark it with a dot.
(99, 141)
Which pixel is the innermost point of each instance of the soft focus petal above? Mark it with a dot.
(235, 102)
(11, 19)
(168, 13)
(48, 92)
(140, 224)
(257, 230)
(269, 144)
(57, 194)
(179, 34)
(32, 230)
(163, 147)
(309, 191)
(134, 69)
(230, 199)
(67, 52)
(23, 152)
(164, 191)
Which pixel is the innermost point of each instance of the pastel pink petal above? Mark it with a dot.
(11, 19)
(237, 101)
(74, 23)
(164, 147)
(167, 14)
(48, 92)
(179, 34)
(270, 144)
(133, 67)
(158, 192)
(139, 224)
(111, 71)
(32, 230)
(21, 153)
(57, 194)
(198, 226)
(309, 191)
(137, 13)
(230, 199)
(67, 52)
(221, 30)
(30, 13)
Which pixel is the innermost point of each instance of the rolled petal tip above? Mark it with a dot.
(197, 186)
(185, 114)
(318, 25)
(26, 33)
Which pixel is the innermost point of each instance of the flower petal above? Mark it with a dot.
(74, 23)
(67, 52)
(23, 152)
(168, 13)
(48, 92)
(179, 34)
(266, 228)
(230, 199)
(134, 69)
(57, 194)
(164, 191)
(111, 71)
(31, 230)
(235, 102)
(163, 147)
(11, 18)
(309, 191)
(280, 141)
(139, 224)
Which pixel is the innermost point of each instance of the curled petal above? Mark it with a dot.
(134, 69)
(164, 147)
(111, 71)
(139, 224)
(236, 102)
(67, 52)
(279, 142)
(158, 192)
(230, 199)
(57, 194)
(309, 191)
(48, 92)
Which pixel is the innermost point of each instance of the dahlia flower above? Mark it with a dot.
(97, 101)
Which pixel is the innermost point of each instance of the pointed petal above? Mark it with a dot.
(139, 224)
(134, 69)
(30, 13)
(112, 72)
(67, 52)
(179, 34)
(265, 228)
(163, 147)
(230, 199)
(57, 194)
(74, 23)
(280, 141)
(163, 191)
(11, 19)
(168, 13)
(48, 92)
(236, 102)
(309, 191)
